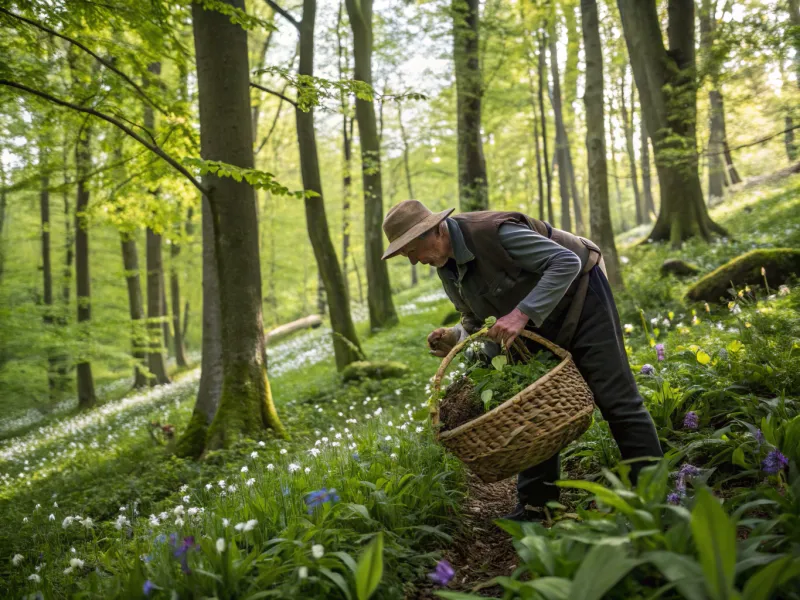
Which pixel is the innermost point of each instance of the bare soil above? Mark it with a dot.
(459, 405)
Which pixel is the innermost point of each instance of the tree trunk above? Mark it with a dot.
(628, 129)
(623, 226)
(3, 201)
(561, 140)
(379, 293)
(532, 94)
(667, 88)
(193, 441)
(66, 273)
(473, 190)
(599, 212)
(130, 261)
(406, 164)
(647, 190)
(47, 272)
(347, 137)
(155, 312)
(346, 346)
(716, 167)
(542, 116)
(175, 293)
(788, 139)
(83, 164)
(245, 406)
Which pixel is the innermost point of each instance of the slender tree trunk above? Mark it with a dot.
(83, 164)
(358, 280)
(175, 293)
(623, 226)
(792, 147)
(347, 137)
(667, 89)
(130, 260)
(599, 212)
(472, 180)
(66, 273)
(561, 140)
(47, 272)
(543, 117)
(406, 164)
(535, 119)
(3, 204)
(628, 130)
(193, 441)
(716, 166)
(346, 346)
(792, 150)
(245, 406)
(379, 294)
(647, 190)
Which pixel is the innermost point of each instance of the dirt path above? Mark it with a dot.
(482, 550)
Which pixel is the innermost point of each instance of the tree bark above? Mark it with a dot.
(193, 441)
(406, 164)
(599, 211)
(667, 90)
(346, 346)
(130, 261)
(347, 138)
(245, 406)
(83, 164)
(473, 189)
(647, 189)
(3, 204)
(627, 126)
(535, 119)
(379, 292)
(542, 84)
(175, 293)
(47, 271)
(561, 140)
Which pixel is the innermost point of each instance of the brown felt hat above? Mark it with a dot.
(407, 221)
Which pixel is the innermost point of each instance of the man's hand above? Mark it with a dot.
(507, 328)
(442, 340)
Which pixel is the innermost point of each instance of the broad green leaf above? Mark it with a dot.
(715, 537)
(738, 457)
(603, 494)
(600, 571)
(370, 568)
(681, 570)
(764, 582)
(338, 580)
(551, 588)
(499, 361)
(486, 396)
(458, 596)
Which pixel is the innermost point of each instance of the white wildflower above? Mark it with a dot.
(76, 562)
(121, 521)
(186, 499)
(87, 522)
(270, 467)
(178, 522)
(254, 454)
(284, 450)
(193, 511)
(307, 470)
(208, 486)
(419, 430)
(184, 488)
(314, 452)
(317, 551)
(221, 483)
(244, 469)
(34, 577)
(68, 570)
(220, 545)
(293, 467)
(163, 515)
(18, 558)
(226, 522)
(67, 522)
(250, 482)
(178, 510)
(302, 572)
(262, 444)
(154, 522)
(52, 517)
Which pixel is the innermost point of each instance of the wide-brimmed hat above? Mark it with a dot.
(409, 220)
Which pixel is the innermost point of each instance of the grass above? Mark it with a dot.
(162, 524)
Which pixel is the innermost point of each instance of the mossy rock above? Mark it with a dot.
(779, 264)
(676, 266)
(451, 318)
(380, 369)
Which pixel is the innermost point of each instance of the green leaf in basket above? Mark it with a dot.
(499, 361)
(486, 396)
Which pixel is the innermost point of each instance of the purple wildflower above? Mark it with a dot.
(648, 369)
(674, 498)
(688, 470)
(148, 587)
(759, 435)
(443, 573)
(774, 463)
(320, 497)
(660, 352)
(691, 420)
(181, 551)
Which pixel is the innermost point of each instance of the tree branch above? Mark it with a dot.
(90, 111)
(274, 6)
(102, 61)
(274, 93)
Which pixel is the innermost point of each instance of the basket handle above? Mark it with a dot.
(437, 379)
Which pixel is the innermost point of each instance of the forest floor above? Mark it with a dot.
(112, 465)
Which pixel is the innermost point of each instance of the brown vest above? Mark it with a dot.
(494, 285)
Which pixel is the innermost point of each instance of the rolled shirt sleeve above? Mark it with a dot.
(535, 253)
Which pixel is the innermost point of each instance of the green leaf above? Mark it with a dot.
(603, 494)
(738, 457)
(600, 571)
(681, 570)
(338, 580)
(370, 568)
(763, 583)
(551, 588)
(715, 537)
(499, 361)
(486, 396)
(458, 596)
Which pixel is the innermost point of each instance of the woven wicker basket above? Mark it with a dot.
(526, 429)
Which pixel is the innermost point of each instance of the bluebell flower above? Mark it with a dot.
(674, 498)
(774, 463)
(691, 420)
(443, 573)
(648, 369)
(148, 587)
(161, 538)
(759, 435)
(660, 352)
(316, 499)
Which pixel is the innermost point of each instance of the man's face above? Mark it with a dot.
(431, 248)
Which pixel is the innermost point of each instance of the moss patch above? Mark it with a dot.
(382, 369)
(193, 441)
(779, 264)
(676, 266)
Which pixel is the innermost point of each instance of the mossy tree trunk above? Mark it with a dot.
(245, 406)
(599, 212)
(379, 292)
(667, 85)
(473, 190)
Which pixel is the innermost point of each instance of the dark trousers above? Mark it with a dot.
(599, 353)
